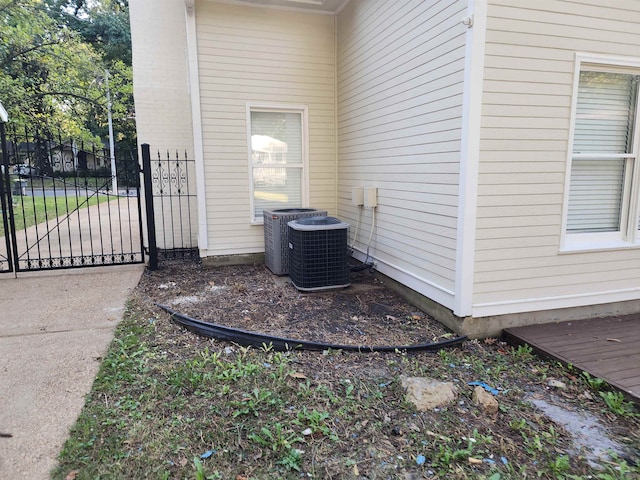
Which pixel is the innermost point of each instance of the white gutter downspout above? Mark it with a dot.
(196, 122)
(476, 21)
(336, 150)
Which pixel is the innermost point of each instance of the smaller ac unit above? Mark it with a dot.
(318, 249)
(276, 250)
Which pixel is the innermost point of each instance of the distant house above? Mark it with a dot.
(501, 136)
(68, 157)
(33, 158)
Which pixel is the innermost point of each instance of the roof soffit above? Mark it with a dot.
(315, 6)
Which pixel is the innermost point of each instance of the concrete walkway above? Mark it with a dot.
(54, 329)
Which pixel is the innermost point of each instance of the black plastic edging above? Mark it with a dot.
(246, 338)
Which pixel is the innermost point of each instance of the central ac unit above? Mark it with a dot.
(318, 250)
(276, 250)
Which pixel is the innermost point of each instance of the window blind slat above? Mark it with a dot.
(606, 103)
(595, 195)
(603, 127)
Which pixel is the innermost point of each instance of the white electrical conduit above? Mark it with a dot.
(355, 236)
(373, 226)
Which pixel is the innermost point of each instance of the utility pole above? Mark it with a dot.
(112, 156)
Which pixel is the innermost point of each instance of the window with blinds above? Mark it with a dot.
(603, 154)
(277, 159)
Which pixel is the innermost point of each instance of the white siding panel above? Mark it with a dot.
(251, 54)
(487, 256)
(523, 162)
(400, 76)
(560, 284)
(539, 266)
(529, 69)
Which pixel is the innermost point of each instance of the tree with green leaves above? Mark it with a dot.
(103, 24)
(54, 59)
(45, 69)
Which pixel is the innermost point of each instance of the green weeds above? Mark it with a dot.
(615, 401)
(164, 397)
(281, 441)
(200, 471)
(594, 383)
(523, 352)
(617, 404)
(317, 422)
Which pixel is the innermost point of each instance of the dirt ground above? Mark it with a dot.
(251, 298)
(368, 313)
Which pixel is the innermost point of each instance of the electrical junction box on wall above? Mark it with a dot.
(357, 196)
(371, 197)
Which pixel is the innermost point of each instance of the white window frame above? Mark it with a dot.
(280, 108)
(629, 234)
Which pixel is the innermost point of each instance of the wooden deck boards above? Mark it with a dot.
(607, 348)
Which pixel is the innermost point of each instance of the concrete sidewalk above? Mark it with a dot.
(54, 329)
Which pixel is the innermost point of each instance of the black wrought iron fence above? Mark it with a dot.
(39, 153)
(67, 203)
(72, 203)
(171, 208)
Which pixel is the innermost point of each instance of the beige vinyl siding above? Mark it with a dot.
(266, 56)
(163, 106)
(400, 85)
(528, 88)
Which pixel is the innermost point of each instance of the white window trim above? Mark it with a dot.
(274, 107)
(628, 237)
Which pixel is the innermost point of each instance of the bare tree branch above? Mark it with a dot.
(8, 5)
(72, 95)
(12, 57)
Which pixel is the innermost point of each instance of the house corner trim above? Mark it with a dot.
(475, 21)
(196, 122)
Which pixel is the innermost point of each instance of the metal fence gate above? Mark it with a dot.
(64, 206)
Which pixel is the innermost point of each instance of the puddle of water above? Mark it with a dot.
(589, 435)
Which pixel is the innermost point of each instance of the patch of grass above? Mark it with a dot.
(169, 404)
(32, 210)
